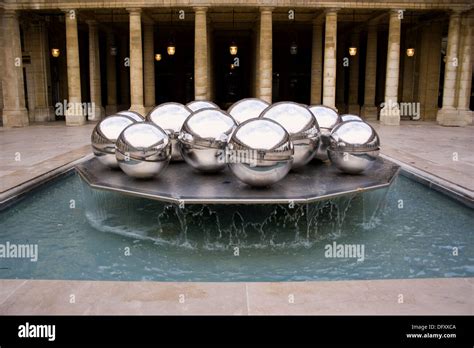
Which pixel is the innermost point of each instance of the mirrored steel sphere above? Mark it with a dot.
(247, 109)
(135, 115)
(354, 147)
(105, 135)
(327, 119)
(203, 138)
(143, 150)
(350, 117)
(260, 152)
(170, 117)
(197, 105)
(300, 123)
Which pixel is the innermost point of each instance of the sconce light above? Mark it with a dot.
(410, 52)
(233, 48)
(55, 52)
(171, 49)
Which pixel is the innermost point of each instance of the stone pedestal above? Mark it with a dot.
(14, 110)
(369, 112)
(44, 114)
(453, 117)
(390, 113)
(329, 74)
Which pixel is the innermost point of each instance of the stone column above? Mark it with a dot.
(201, 86)
(341, 55)
(136, 61)
(75, 115)
(149, 66)
(96, 110)
(448, 115)
(409, 68)
(257, 60)
(111, 70)
(369, 110)
(390, 113)
(317, 62)
(465, 73)
(354, 107)
(124, 73)
(265, 54)
(1, 65)
(428, 82)
(14, 110)
(210, 79)
(39, 48)
(330, 45)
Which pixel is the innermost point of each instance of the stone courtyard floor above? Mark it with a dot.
(34, 154)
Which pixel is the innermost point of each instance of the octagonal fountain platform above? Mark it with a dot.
(180, 184)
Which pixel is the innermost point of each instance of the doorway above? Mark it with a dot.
(231, 73)
(291, 63)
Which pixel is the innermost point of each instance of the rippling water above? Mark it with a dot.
(407, 231)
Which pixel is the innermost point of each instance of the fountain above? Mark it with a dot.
(224, 207)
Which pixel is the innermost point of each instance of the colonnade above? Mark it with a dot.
(457, 77)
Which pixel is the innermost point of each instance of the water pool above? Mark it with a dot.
(405, 231)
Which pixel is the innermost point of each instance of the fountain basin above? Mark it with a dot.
(181, 184)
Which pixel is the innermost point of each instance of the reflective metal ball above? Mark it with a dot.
(105, 135)
(300, 123)
(247, 109)
(327, 119)
(203, 139)
(170, 117)
(354, 146)
(350, 117)
(260, 152)
(197, 105)
(135, 115)
(143, 150)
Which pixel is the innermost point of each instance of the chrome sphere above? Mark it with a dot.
(135, 115)
(143, 150)
(170, 117)
(327, 119)
(350, 117)
(247, 109)
(197, 105)
(300, 123)
(105, 135)
(354, 146)
(203, 139)
(260, 152)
